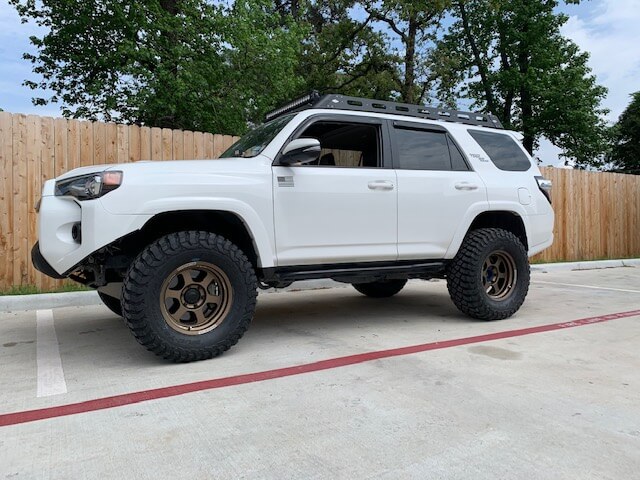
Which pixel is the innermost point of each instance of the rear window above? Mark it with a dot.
(503, 151)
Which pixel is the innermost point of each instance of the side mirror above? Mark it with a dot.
(301, 150)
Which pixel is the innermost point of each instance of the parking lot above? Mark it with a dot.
(341, 386)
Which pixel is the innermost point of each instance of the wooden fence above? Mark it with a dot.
(597, 214)
(34, 149)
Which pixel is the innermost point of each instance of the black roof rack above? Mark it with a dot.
(344, 102)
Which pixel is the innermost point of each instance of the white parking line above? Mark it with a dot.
(50, 374)
(586, 286)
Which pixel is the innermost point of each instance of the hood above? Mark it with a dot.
(78, 172)
(223, 165)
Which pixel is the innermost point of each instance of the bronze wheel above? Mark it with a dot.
(488, 279)
(196, 298)
(499, 275)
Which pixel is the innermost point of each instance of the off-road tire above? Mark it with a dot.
(144, 282)
(383, 289)
(112, 303)
(464, 274)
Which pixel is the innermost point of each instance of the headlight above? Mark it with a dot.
(90, 186)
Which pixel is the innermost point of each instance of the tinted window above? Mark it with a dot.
(422, 150)
(503, 151)
(457, 160)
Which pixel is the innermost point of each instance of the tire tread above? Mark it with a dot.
(149, 260)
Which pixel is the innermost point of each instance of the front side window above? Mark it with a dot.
(345, 144)
(503, 151)
(255, 141)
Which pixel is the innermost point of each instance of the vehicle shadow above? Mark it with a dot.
(94, 334)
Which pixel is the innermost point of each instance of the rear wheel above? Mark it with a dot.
(489, 277)
(112, 303)
(189, 296)
(387, 288)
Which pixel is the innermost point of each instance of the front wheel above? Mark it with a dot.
(489, 277)
(189, 296)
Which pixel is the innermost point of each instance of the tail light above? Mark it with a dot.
(545, 187)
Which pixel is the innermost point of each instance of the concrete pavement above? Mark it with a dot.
(548, 405)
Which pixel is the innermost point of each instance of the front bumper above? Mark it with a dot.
(59, 250)
(41, 264)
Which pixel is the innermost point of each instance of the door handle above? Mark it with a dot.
(380, 185)
(466, 186)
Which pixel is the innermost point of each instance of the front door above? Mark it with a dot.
(342, 208)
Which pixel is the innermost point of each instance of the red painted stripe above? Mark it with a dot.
(172, 391)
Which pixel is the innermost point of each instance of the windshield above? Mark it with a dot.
(257, 139)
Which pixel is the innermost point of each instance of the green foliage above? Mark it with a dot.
(412, 24)
(219, 66)
(510, 58)
(170, 63)
(625, 151)
(341, 53)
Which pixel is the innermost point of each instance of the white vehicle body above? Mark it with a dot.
(329, 215)
(332, 187)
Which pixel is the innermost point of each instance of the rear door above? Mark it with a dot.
(436, 189)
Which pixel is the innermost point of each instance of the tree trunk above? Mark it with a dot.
(526, 103)
(410, 61)
(482, 68)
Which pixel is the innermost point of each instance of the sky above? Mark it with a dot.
(608, 29)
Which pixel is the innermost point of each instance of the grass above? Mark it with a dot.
(32, 289)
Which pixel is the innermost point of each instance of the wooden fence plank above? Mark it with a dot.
(134, 143)
(178, 145)
(47, 171)
(73, 141)
(167, 144)
(6, 200)
(188, 145)
(156, 143)
(145, 143)
(86, 143)
(111, 143)
(20, 196)
(61, 146)
(198, 145)
(122, 144)
(34, 174)
(102, 153)
(208, 145)
(218, 148)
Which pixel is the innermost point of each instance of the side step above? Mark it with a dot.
(357, 272)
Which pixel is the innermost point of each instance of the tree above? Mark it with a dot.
(625, 151)
(171, 63)
(342, 53)
(511, 59)
(412, 24)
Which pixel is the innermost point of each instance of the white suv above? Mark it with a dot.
(366, 192)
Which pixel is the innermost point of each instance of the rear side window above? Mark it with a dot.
(457, 160)
(503, 151)
(422, 150)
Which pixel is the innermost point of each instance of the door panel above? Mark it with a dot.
(329, 214)
(431, 205)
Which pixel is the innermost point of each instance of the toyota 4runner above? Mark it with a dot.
(361, 191)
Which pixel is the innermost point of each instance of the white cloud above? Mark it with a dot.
(610, 32)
